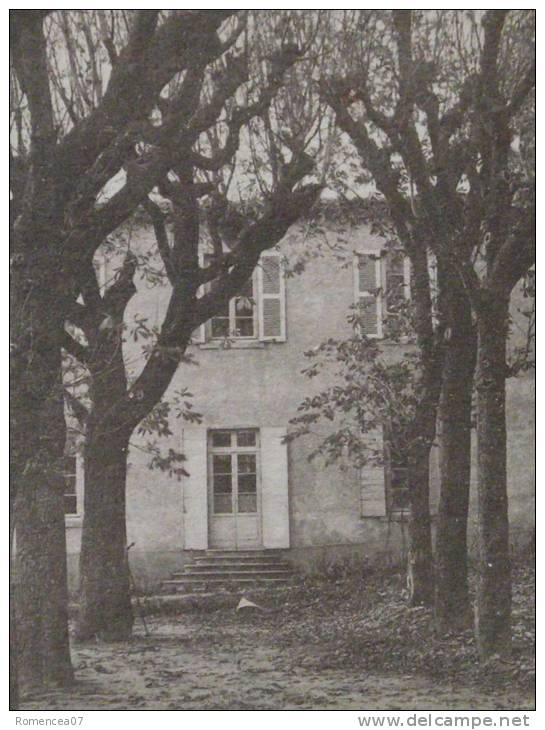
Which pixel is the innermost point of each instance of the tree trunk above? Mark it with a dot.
(41, 594)
(493, 615)
(452, 606)
(38, 437)
(13, 678)
(105, 600)
(420, 555)
(420, 576)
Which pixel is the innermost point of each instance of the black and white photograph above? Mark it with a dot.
(272, 365)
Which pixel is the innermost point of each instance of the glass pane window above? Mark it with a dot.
(238, 317)
(399, 489)
(247, 503)
(246, 463)
(223, 504)
(246, 438)
(395, 281)
(247, 484)
(70, 496)
(220, 327)
(221, 438)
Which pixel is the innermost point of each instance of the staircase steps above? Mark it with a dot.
(228, 570)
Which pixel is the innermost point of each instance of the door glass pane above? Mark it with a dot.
(223, 504)
(222, 464)
(222, 484)
(246, 438)
(221, 438)
(70, 504)
(247, 503)
(246, 484)
(246, 464)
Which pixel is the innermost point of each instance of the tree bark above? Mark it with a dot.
(105, 600)
(420, 555)
(420, 572)
(493, 614)
(452, 606)
(37, 443)
(41, 594)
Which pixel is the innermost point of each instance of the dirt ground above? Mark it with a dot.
(328, 646)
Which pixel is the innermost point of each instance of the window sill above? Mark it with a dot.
(233, 345)
(73, 520)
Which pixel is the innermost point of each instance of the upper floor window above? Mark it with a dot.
(257, 313)
(238, 317)
(381, 284)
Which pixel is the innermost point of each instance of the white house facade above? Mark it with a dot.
(247, 489)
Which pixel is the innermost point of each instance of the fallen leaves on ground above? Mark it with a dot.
(350, 643)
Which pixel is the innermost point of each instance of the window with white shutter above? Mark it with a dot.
(271, 298)
(395, 472)
(368, 291)
(381, 285)
(372, 483)
(195, 488)
(199, 335)
(274, 488)
(258, 312)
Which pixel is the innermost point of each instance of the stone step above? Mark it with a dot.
(239, 565)
(227, 574)
(239, 561)
(194, 583)
(231, 569)
(238, 554)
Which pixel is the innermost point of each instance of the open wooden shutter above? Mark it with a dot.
(368, 291)
(373, 485)
(195, 498)
(199, 335)
(274, 488)
(271, 298)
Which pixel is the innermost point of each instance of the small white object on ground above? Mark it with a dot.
(245, 603)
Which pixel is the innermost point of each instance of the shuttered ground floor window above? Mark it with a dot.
(395, 472)
(384, 488)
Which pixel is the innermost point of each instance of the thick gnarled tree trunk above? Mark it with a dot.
(105, 602)
(37, 443)
(105, 599)
(493, 614)
(41, 595)
(452, 606)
